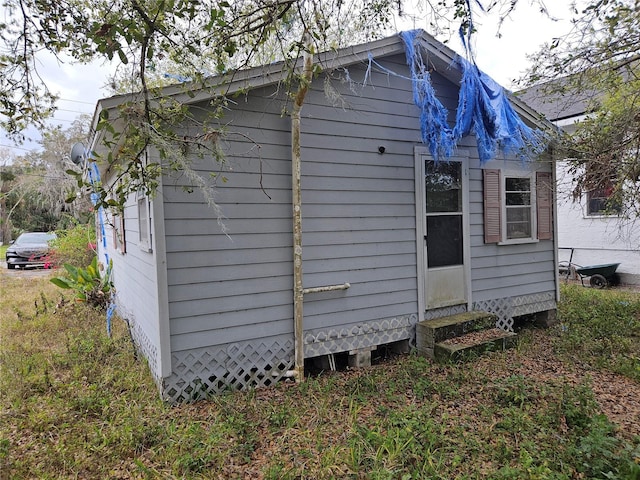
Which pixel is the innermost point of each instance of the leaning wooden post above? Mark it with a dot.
(298, 290)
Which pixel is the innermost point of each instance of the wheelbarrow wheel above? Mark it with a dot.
(598, 281)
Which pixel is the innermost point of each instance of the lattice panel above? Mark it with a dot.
(203, 372)
(507, 308)
(534, 303)
(502, 307)
(142, 343)
(363, 335)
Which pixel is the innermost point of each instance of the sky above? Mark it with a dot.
(505, 59)
(523, 33)
(78, 87)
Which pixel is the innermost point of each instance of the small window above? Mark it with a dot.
(144, 223)
(599, 202)
(518, 208)
(119, 240)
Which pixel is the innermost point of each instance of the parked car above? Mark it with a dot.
(31, 249)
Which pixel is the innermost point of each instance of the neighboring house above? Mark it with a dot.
(389, 236)
(589, 233)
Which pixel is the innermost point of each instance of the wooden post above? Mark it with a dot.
(296, 161)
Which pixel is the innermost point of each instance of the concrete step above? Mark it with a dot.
(466, 347)
(461, 336)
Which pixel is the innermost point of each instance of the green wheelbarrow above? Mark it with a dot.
(600, 276)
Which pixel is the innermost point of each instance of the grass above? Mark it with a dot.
(603, 326)
(77, 404)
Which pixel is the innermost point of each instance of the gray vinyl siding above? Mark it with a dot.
(359, 205)
(503, 271)
(234, 285)
(358, 219)
(136, 284)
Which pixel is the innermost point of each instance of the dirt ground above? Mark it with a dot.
(26, 272)
(618, 396)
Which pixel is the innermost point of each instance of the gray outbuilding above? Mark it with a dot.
(390, 237)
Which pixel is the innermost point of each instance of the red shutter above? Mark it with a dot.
(492, 207)
(544, 205)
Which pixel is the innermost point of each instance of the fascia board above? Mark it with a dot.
(529, 115)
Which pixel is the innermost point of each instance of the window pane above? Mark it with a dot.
(517, 184)
(143, 220)
(518, 207)
(518, 214)
(443, 186)
(444, 240)
(519, 222)
(518, 198)
(599, 203)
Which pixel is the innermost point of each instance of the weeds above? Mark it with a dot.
(77, 404)
(602, 328)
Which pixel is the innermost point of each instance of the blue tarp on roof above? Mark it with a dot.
(483, 109)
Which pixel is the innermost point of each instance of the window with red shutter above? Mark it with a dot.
(518, 207)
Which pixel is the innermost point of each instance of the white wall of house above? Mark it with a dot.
(136, 268)
(595, 240)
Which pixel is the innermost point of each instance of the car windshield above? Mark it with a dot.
(35, 238)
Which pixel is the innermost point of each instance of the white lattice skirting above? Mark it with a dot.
(207, 371)
(508, 308)
(363, 335)
(142, 343)
(203, 372)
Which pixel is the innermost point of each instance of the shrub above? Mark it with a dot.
(90, 286)
(75, 246)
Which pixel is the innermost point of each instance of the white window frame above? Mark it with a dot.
(531, 176)
(600, 213)
(143, 206)
(119, 232)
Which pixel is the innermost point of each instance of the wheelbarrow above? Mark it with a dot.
(600, 276)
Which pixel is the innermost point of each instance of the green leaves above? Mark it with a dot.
(183, 38)
(60, 282)
(90, 285)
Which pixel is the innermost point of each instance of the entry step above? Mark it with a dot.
(461, 336)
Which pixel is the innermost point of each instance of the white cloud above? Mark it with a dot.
(79, 87)
(504, 59)
(522, 34)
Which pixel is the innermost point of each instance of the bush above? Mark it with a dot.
(75, 246)
(91, 286)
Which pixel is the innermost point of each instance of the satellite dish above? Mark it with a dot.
(77, 153)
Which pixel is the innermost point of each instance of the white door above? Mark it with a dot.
(444, 222)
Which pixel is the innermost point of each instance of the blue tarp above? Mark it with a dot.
(94, 179)
(483, 109)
